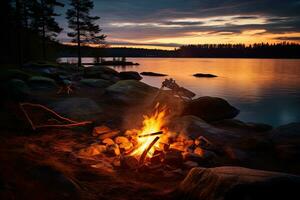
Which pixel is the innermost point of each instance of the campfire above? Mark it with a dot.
(152, 145)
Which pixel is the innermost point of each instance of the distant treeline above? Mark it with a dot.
(262, 50)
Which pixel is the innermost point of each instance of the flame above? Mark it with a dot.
(152, 124)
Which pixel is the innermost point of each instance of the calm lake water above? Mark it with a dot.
(265, 90)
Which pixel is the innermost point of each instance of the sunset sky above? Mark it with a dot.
(167, 24)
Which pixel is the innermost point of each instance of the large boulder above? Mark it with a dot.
(77, 108)
(40, 82)
(130, 75)
(130, 91)
(193, 127)
(95, 83)
(101, 72)
(237, 183)
(7, 75)
(210, 109)
(16, 89)
(248, 126)
(286, 139)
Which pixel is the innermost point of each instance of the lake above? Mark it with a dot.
(265, 90)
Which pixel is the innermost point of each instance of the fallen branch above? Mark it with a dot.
(72, 123)
(144, 154)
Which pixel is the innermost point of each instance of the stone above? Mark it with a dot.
(129, 162)
(130, 91)
(77, 108)
(173, 157)
(152, 74)
(121, 139)
(130, 75)
(237, 183)
(92, 150)
(210, 109)
(109, 134)
(201, 75)
(10, 74)
(101, 72)
(194, 127)
(108, 141)
(96, 83)
(113, 150)
(190, 164)
(16, 89)
(126, 146)
(98, 130)
(40, 82)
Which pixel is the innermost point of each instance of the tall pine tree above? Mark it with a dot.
(43, 20)
(85, 31)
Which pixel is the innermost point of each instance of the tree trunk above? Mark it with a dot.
(43, 31)
(78, 38)
(19, 34)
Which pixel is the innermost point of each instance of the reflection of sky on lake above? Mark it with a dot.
(265, 90)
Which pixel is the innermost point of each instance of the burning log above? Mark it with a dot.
(143, 156)
(151, 134)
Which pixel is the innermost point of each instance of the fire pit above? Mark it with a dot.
(153, 146)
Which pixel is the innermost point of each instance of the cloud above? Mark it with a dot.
(136, 20)
(289, 38)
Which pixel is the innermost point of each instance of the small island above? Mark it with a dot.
(201, 75)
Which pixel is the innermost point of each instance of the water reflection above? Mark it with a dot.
(265, 90)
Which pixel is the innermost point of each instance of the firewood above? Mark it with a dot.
(151, 134)
(144, 154)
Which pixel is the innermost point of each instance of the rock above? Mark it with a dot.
(190, 164)
(193, 127)
(173, 157)
(101, 72)
(77, 108)
(130, 75)
(210, 109)
(152, 74)
(234, 123)
(113, 150)
(237, 183)
(99, 130)
(200, 75)
(126, 146)
(108, 141)
(121, 139)
(16, 89)
(110, 134)
(286, 139)
(204, 158)
(93, 150)
(40, 82)
(7, 75)
(104, 166)
(129, 162)
(96, 83)
(130, 91)
(287, 134)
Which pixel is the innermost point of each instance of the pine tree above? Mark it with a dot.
(85, 31)
(43, 20)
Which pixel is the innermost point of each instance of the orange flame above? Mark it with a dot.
(152, 124)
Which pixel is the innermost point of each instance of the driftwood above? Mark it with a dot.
(144, 154)
(66, 123)
(183, 93)
(151, 134)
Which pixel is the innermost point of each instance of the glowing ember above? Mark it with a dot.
(152, 125)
